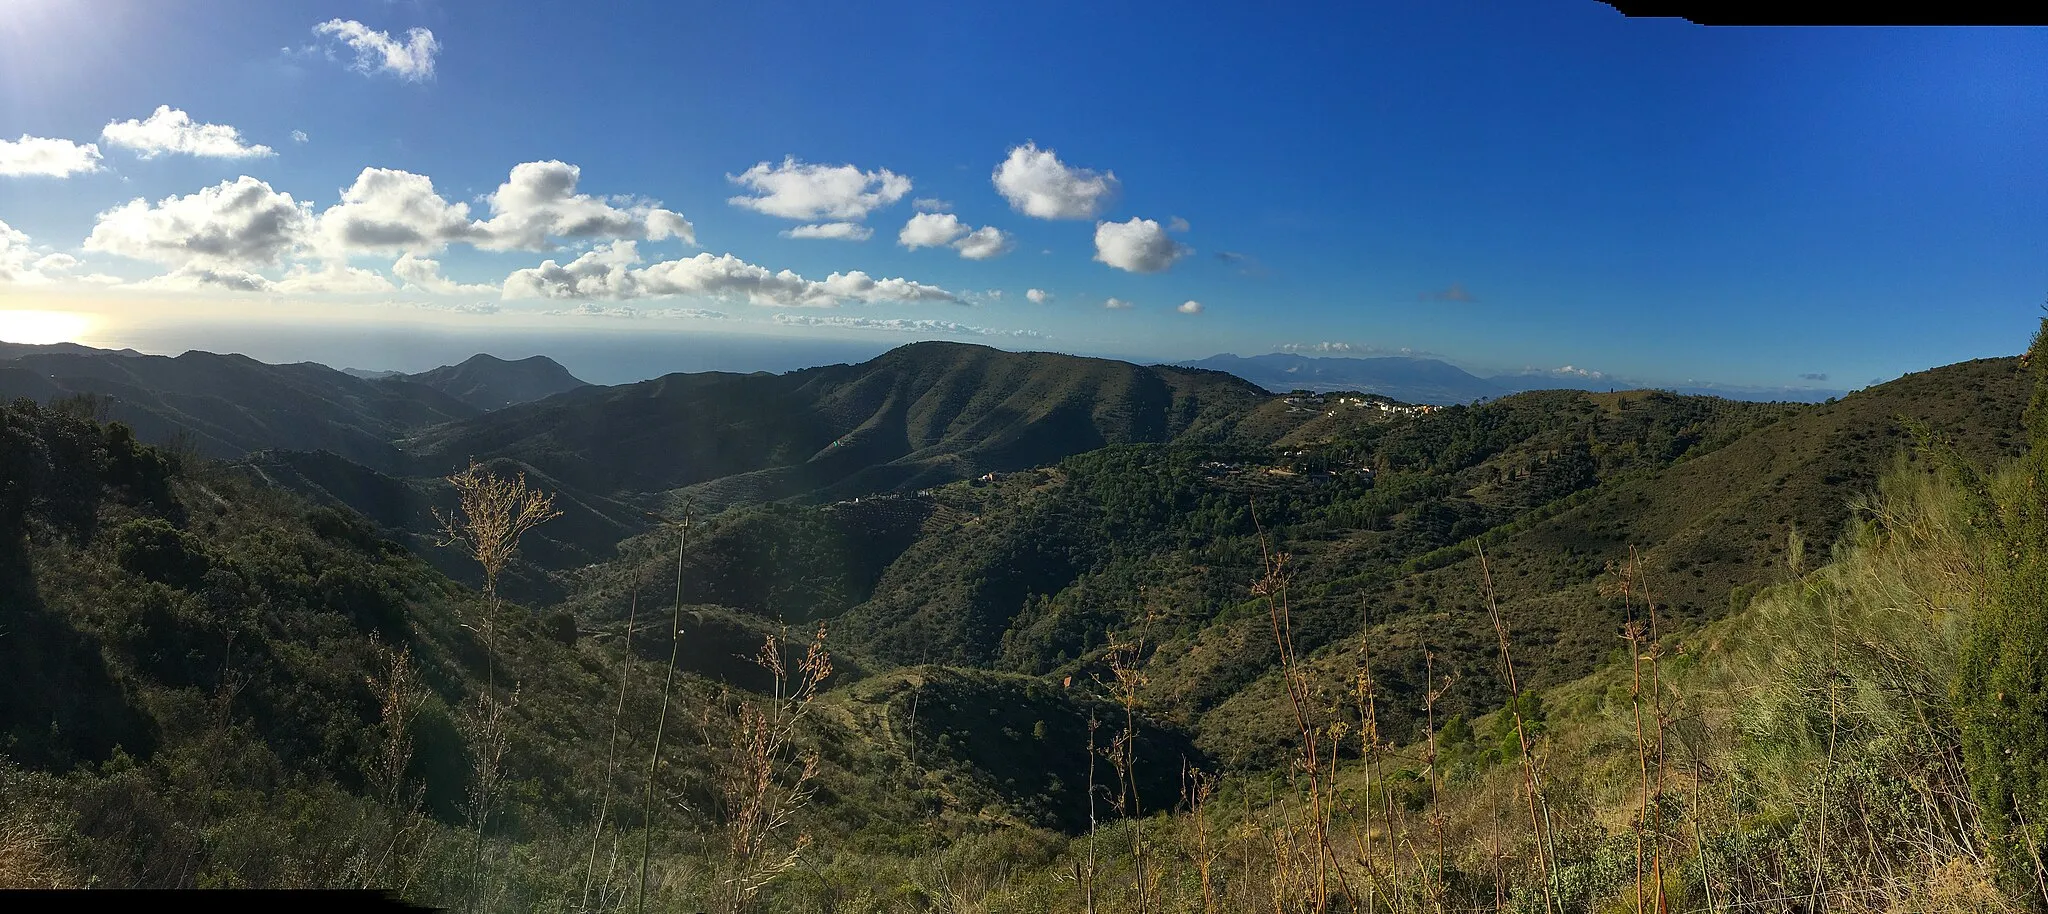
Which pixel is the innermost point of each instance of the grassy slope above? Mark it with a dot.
(1709, 527)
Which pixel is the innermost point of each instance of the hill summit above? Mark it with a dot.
(488, 382)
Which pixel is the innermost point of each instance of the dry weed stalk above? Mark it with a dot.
(401, 696)
(1432, 692)
(1126, 680)
(492, 513)
(1539, 810)
(1200, 787)
(1272, 587)
(611, 752)
(668, 681)
(756, 804)
(1371, 749)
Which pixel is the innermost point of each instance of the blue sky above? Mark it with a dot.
(1506, 186)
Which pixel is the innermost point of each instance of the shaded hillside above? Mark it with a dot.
(202, 695)
(1711, 529)
(229, 405)
(488, 382)
(918, 415)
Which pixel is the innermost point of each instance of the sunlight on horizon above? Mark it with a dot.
(44, 327)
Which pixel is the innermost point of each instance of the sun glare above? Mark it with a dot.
(42, 327)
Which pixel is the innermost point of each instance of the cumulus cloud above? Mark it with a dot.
(387, 210)
(1177, 224)
(1038, 184)
(1117, 304)
(425, 275)
(298, 136)
(932, 230)
(234, 225)
(22, 263)
(208, 279)
(900, 325)
(169, 130)
(818, 193)
(984, 243)
(843, 231)
(609, 272)
(539, 201)
(1456, 293)
(930, 205)
(47, 158)
(1138, 246)
(411, 59)
(1038, 296)
(1190, 307)
(391, 211)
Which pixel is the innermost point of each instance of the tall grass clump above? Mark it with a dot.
(2002, 692)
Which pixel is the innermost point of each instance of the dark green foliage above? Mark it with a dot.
(159, 552)
(2002, 689)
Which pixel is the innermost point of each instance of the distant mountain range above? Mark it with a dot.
(1431, 381)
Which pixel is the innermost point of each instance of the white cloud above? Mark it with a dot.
(930, 230)
(539, 201)
(608, 272)
(984, 243)
(480, 307)
(818, 193)
(390, 211)
(1325, 346)
(332, 279)
(1573, 371)
(412, 59)
(1328, 348)
(168, 129)
(1190, 307)
(931, 205)
(1139, 246)
(208, 279)
(1176, 224)
(843, 231)
(1037, 184)
(1038, 296)
(234, 225)
(590, 309)
(425, 275)
(22, 263)
(1117, 304)
(48, 158)
(900, 325)
(387, 210)
(298, 136)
